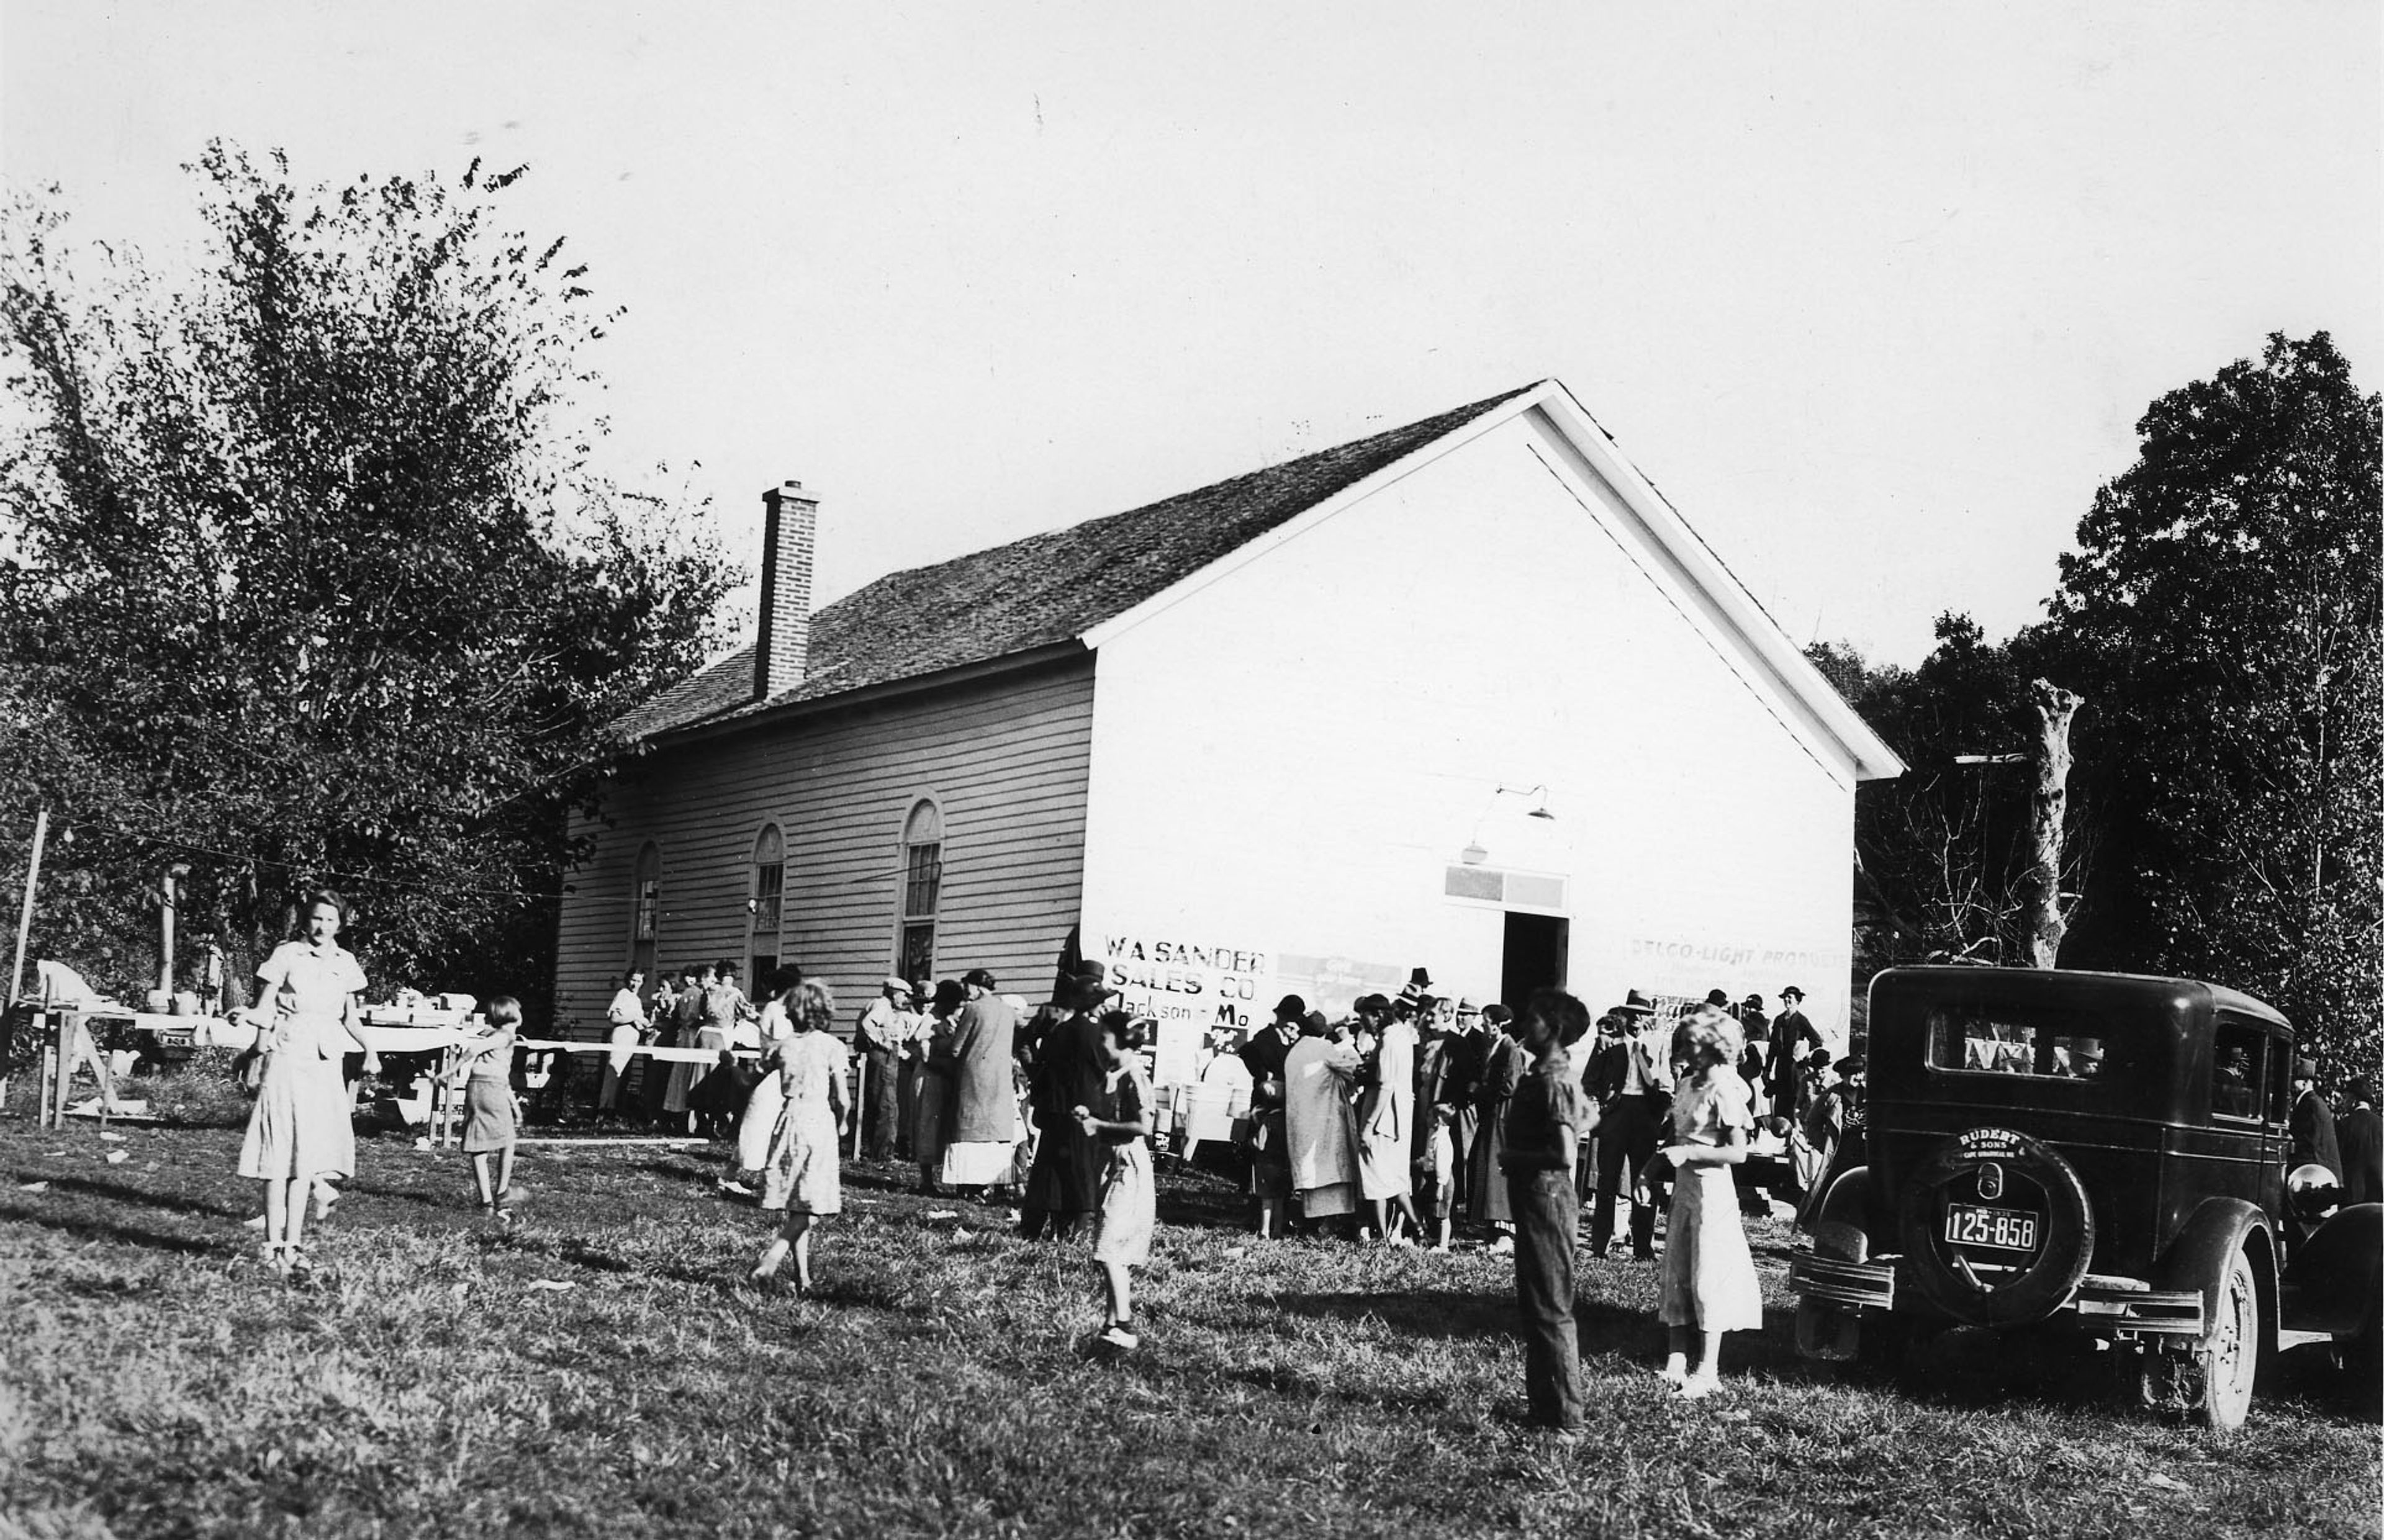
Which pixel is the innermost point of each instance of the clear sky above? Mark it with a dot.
(1875, 293)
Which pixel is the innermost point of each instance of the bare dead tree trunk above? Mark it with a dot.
(2046, 920)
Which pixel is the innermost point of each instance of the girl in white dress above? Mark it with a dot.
(1129, 1203)
(300, 1129)
(800, 1174)
(1709, 1284)
(761, 1103)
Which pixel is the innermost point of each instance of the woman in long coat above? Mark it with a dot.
(1501, 1074)
(1070, 1071)
(985, 1098)
(1386, 1132)
(1317, 1075)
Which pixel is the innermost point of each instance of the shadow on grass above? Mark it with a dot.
(1418, 1313)
(1299, 1385)
(1605, 1329)
(2313, 1377)
(131, 1234)
(577, 1252)
(113, 1192)
(676, 1169)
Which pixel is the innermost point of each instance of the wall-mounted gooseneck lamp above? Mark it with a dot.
(1474, 854)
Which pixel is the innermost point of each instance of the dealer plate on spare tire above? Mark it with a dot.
(2003, 1229)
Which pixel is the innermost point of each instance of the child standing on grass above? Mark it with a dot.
(1129, 1202)
(488, 1123)
(1543, 1139)
(1709, 1284)
(800, 1173)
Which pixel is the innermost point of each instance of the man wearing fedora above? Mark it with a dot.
(1793, 1036)
(2313, 1123)
(1635, 1087)
(884, 1030)
(2360, 1136)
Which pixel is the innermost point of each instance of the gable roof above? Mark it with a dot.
(1077, 588)
(1044, 589)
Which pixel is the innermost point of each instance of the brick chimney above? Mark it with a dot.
(782, 647)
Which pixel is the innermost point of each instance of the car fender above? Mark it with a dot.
(2196, 1257)
(2336, 1274)
(1840, 1222)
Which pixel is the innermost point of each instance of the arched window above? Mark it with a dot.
(923, 880)
(645, 908)
(767, 907)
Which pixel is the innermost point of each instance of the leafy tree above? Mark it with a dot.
(2222, 616)
(312, 574)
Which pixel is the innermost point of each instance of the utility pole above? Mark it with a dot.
(25, 916)
(2047, 921)
(165, 926)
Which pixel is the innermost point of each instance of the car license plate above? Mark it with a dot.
(2006, 1229)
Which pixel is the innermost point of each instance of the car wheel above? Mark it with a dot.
(1980, 1288)
(2229, 1357)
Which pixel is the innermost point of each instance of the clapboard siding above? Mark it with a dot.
(1007, 759)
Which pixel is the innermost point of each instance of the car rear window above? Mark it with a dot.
(1994, 1041)
(2239, 1056)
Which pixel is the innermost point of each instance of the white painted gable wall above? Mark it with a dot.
(1286, 757)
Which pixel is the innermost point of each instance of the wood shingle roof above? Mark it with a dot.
(1044, 589)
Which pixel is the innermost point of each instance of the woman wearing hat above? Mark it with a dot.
(985, 1097)
(1386, 1128)
(1502, 1071)
(1064, 1185)
(1264, 1056)
(931, 1117)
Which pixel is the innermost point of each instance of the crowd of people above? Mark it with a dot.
(1410, 1119)
(1421, 1112)
(1056, 1109)
(1391, 1123)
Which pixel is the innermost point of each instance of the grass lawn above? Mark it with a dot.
(156, 1380)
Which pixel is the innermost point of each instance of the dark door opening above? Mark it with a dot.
(1536, 949)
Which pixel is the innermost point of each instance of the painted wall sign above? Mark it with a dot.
(1170, 980)
(1207, 997)
(1726, 955)
(1683, 967)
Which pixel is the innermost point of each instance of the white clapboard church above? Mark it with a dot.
(1468, 695)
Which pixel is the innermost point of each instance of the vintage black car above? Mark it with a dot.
(2097, 1152)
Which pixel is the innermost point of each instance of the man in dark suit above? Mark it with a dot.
(1463, 1062)
(1603, 1063)
(1632, 1127)
(2360, 1136)
(1793, 1036)
(2313, 1123)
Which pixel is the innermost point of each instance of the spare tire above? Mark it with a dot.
(2000, 1285)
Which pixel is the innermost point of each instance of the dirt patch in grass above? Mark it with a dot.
(156, 1380)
